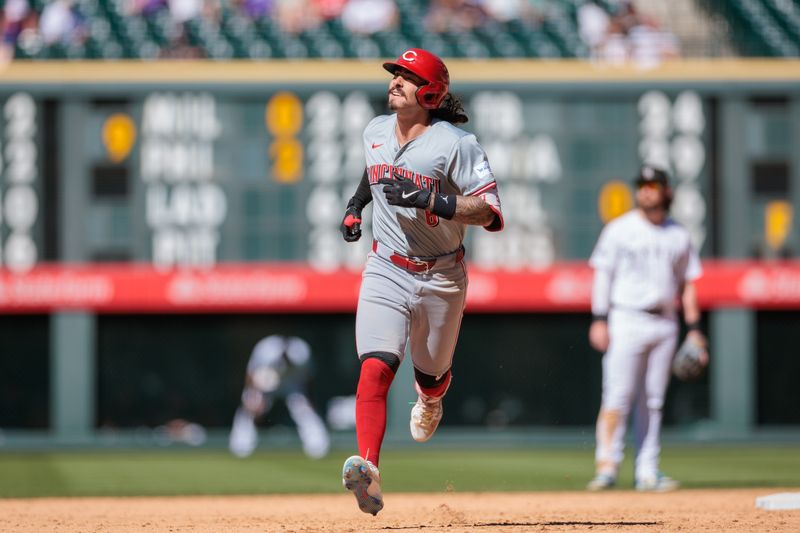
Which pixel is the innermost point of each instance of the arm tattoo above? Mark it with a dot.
(473, 210)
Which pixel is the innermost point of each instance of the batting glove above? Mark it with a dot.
(351, 224)
(402, 192)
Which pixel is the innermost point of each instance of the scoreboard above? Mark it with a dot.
(184, 173)
(223, 178)
(21, 185)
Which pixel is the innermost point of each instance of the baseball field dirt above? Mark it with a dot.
(683, 510)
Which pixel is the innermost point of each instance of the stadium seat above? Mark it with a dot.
(563, 32)
(392, 43)
(436, 44)
(753, 27)
(767, 28)
(788, 16)
(364, 47)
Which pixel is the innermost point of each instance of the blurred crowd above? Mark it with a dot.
(59, 21)
(624, 35)
(621, 35)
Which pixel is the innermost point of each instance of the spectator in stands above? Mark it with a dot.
(257, 9)
(369, 16)
(183, 11)
(627, 15)
(329, 9)
(17, 16)
(61, 22)
(593, 22)
(295, 16)
(146, 8)
(629, 37)
(180, 48)
(613, 48)
(649, 44)
(506, 10)
(455, 15)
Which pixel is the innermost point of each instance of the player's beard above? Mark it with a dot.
(394, 104)
(652, 204)
(655, 213)
(653, 208)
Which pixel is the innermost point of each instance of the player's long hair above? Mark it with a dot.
(451, 110)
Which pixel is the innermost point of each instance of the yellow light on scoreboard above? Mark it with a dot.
(284, 116)
(615, 199)
(777, 223)
(284, 120)
(287, 160)
(119, 136)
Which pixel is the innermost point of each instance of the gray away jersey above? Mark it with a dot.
(444, 159)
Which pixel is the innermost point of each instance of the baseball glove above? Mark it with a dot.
(688, 364)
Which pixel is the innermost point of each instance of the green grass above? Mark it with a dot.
(215, 472)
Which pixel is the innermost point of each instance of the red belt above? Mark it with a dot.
(416, 265)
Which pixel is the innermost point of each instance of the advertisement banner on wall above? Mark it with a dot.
(296, 288)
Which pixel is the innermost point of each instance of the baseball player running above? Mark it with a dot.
(643, 264)
(429, 180)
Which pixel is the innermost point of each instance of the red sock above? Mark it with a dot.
(439, 389)
(373, 387)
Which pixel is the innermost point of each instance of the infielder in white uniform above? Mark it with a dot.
(279, 368)
(429, 180)
(644, 268)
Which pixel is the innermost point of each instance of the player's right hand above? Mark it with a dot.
(402, 192)
(351, 224)
(598, 335)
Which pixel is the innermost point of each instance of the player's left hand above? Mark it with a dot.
(402, 192)
(691, 358)
(351, 224)
(700, 340)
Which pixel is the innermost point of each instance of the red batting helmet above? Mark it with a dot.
(428, 67)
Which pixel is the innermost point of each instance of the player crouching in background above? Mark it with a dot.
(279, 368)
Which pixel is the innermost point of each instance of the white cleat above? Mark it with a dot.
(601, 482)
(362, 478)
(244, 436)
(656, 483)
(425, 416)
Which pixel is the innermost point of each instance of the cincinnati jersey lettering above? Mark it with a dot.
(376, 172)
